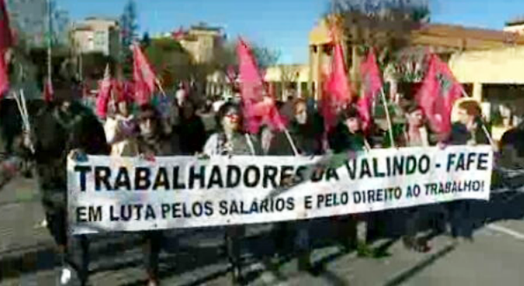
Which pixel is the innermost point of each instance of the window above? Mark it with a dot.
(100, 39)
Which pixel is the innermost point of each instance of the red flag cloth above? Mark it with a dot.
(48, 91)
(337, 92)
(179, 35)
(104, 94)
(231, 74)
(372, 85)
(438, 93)
(4, 78)
(143, 76)
(258, 106)
(6, 36)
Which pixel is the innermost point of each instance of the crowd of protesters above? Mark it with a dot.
(184, 124)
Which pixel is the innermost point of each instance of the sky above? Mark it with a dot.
(282, 25)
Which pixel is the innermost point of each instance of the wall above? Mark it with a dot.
(505, 66)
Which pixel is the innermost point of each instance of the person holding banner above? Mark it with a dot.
(228, 141)
(305, 130)
(153, 142)
(469, 130)
(417, 133)
(349, 138)
(65, 129)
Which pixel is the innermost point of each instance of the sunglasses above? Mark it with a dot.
(232, 116)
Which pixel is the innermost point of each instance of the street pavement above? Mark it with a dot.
(494, 257)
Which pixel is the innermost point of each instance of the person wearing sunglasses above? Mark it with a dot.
(228, 141)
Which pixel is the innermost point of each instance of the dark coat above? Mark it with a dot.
(341, 140)
(306, 137)
(514, 137)
(192, 134)
(460, 135)
(55, 135)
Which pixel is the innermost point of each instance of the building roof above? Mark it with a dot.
(442, 35)
(205, 27)
(456, 31)
(101, 18)
(515, 22)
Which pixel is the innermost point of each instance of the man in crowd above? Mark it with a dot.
(61, 129)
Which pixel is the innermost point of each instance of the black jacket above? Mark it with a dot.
(306, 137)
(341, 140)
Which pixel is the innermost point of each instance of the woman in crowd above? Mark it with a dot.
(417, 133)
(231, 140)
(152, 141)
(305, 130)
(469, 130)
(120, 128)
(349, 137)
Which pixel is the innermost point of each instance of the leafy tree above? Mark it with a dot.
(129, 34)
(170, 61)
(146, 40)
(94, 64)
(264, 56)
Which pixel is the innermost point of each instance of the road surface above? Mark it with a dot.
(494, 257)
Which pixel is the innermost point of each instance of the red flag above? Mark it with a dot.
(231, 75)
(258, 106)
(4, 78)
(438, 93)
(178, 35)
(372, 84)
(143, 76)
(104, 93)
(48, 91)
(6, 36)
(337, 92)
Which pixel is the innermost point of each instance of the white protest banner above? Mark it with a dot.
(132, 194)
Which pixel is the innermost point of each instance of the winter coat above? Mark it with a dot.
(241, 144)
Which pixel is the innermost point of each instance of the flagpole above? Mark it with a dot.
(20, 102)
(49, 39)
(388, 118)
(290, 140)
(160, 87)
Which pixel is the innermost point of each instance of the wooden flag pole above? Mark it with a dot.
(388, 118)
(290, 140)
(22, 108)
(250, 143)
(160, 87)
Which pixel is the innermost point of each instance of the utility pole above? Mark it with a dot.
(49, 43)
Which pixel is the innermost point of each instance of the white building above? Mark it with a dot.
(96, 35)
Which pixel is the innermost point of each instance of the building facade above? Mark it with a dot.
(489, 63)
(284, 80)
(95, 34)
(203, 42)
(30, 18)
(445, 40)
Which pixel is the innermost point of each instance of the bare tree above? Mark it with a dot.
(384, 25)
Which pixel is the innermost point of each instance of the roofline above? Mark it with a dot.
(514, 22)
